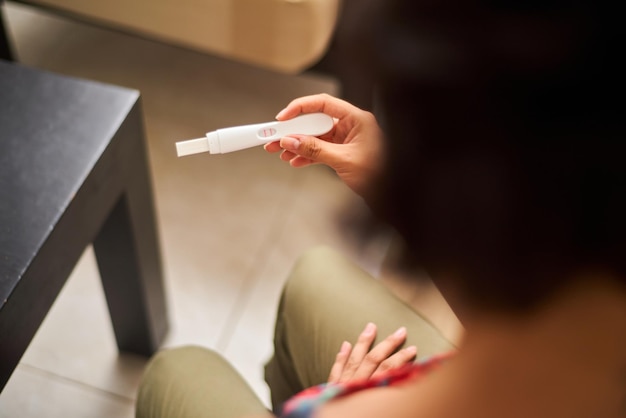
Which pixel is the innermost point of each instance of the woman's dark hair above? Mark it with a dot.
(506, 141)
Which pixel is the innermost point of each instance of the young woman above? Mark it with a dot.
(499, 161)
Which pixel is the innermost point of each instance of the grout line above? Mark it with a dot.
(73, 382)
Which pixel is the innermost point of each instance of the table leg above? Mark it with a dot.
(128, 258)
(5, 48)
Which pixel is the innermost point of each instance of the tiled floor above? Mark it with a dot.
(231, 226)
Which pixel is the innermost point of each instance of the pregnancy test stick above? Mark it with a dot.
(237, 138)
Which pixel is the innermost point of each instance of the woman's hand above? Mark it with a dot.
(353, 148)
(359, 362)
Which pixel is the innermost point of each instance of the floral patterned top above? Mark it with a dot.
(305, 403)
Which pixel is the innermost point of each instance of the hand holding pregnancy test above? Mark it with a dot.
(237, 138)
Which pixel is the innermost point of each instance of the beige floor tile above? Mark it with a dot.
(76, 339)
(35, 393)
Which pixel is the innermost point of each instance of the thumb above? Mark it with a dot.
(312, 149)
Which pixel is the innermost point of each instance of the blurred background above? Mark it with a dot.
(231, 226)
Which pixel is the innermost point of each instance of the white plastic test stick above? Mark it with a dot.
(237, 138)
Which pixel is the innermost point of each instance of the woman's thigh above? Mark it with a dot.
(327, 300)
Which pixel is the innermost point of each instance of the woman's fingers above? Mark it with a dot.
(273, 147)
(380, 354)
(353, 148)
(340, 362)
(362, 346)
(364, 361)
(396, 360)
(324, 103)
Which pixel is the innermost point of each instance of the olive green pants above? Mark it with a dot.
(326, 300)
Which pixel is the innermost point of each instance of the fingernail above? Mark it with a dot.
(401, 332)
(369, 329)
(289, 143)
(279, 114)
(411, 350)
(345, 347)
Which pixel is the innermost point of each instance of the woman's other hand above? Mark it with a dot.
(360, 362)
(353, 148)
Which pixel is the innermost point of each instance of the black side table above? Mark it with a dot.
(74, 171)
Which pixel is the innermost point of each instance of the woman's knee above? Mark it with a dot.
(194, 381)
(167, 381)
